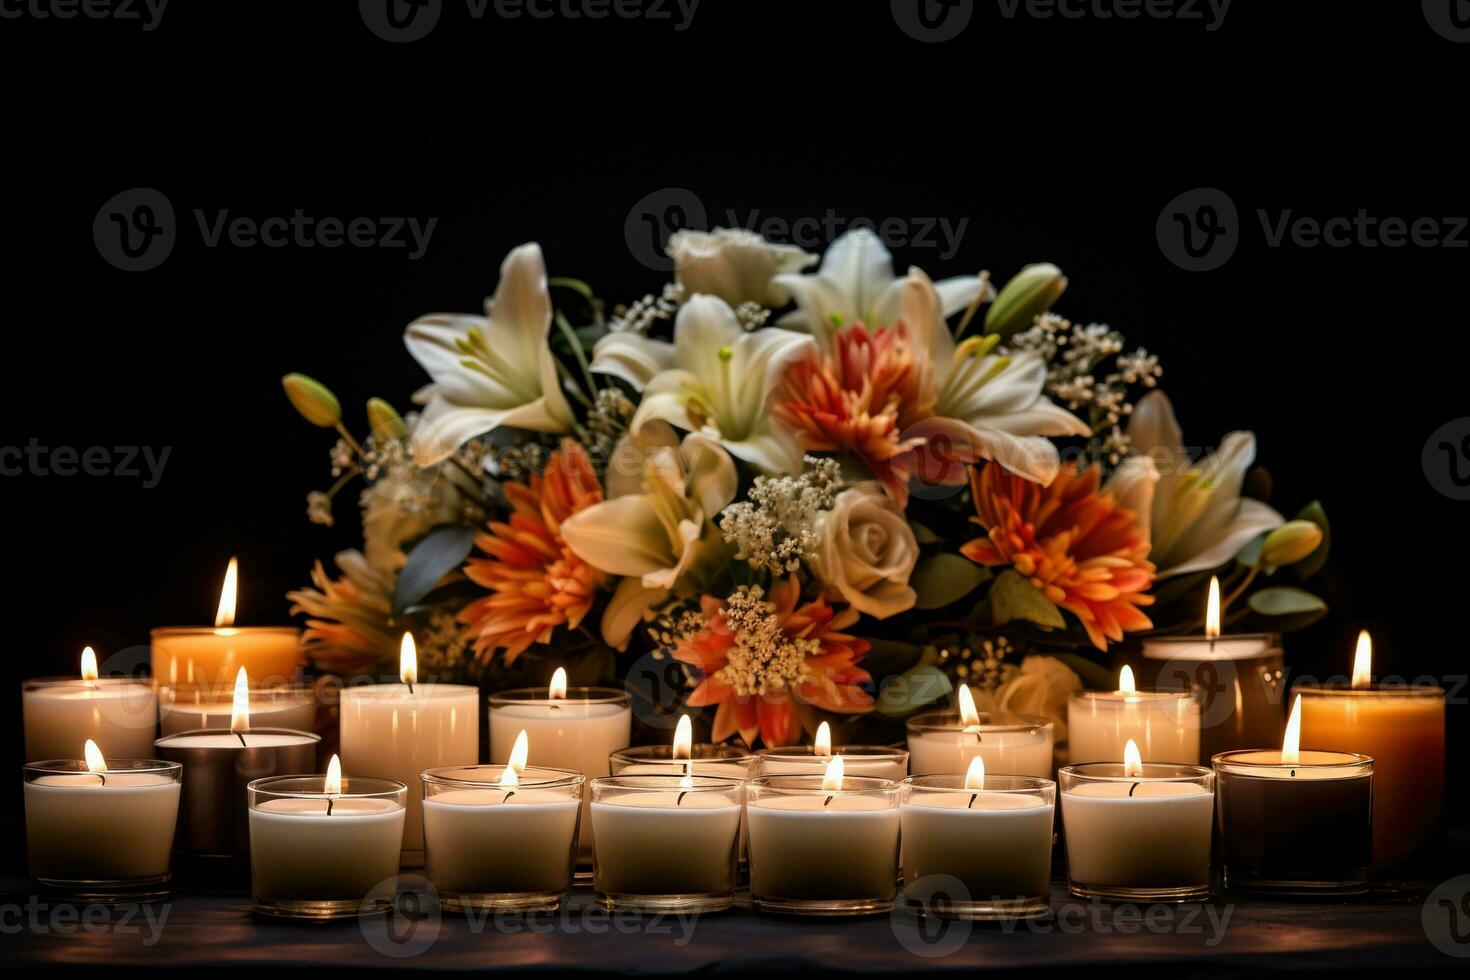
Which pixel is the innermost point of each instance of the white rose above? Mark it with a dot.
(867, 552)
(734, 264)
(1042, 686)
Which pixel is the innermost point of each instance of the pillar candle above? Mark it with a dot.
(1163, 724)
(1011, 744)
(120, 714)
(183, 709)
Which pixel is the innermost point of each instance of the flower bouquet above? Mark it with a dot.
(789, 492)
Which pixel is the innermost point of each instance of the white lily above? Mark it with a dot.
(490, 371)
(715, 378)
(657, 524)
(1194, 512)
(735, 264)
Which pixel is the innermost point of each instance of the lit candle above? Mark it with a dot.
(991, 834)
(946, 741)
(101, 832)
(1239, 677)
(1137, 831)
(1163, 724)
(218, 763)
(823, 845)
(683, 754)
(396, 731)
(188, 709)
(324, 847)
(118, 713)
(570, 728)
(881, 761)
(1296, 822)
(502, 837)
(208, 658)
(1401, 727)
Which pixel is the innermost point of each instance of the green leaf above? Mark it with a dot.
(944, 578)
(575, 285)
(1286, 600)
(923, 535)
(890, 657)
(1014, 597)
(1094, 675)
(1312, 564)
(1251, 553)
(908, 692)
(440, 552)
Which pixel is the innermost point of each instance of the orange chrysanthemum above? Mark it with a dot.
(859, 399)
(536, 583)
(1083, 551)
(763, 659)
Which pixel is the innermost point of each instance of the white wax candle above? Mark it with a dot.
(655, 843)
(939, 743)
(807, 849)
(396, 731)
(301, 853)
(108, 826)
(119, 714)
(1138, 834)
(998, 845)
(859, 760)
(500, 841)
(1164, 726)
(199, 710)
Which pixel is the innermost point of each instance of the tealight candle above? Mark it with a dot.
(577, 728)
(666, 843)
(99, 831)
(1296, 822)
(1239, 677)
(120, 714)
(324, 847)
(189, 709)
(946, 741)
(823, 845)
(991, 834)
(198, 656)
(880, 761)
(396, 731)
(1163, 724)
(1136, 831)
(501, 837)
(1401, 727)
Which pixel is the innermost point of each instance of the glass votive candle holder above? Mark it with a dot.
(1239, 679)
(816, 851)
(1163, 724)
(321, 855)
(1015, 744)
(978, 853)
(1138, 834)
(104, 836)
(187, 708)
(1303, 828)
(708, 758)
(665, 843)
(879, 761)
(502, 846)
(120, 714)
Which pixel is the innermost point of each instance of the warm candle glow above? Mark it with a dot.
(89, 664)
(225, 616)
(519, 752)
(832, 778)
(93, 756)
(557, 691)
(1291, 745)
(240, 711)
(1212, 610)
(968, 715)
(975, 775)
(684, 739)
(333, 782)
(1132, 759)
(408, 660)
(822, 744)
(1363, 662)
(508, 777)
(1126, 684)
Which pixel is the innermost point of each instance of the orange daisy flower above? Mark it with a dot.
(1087, 554)
(536, 583)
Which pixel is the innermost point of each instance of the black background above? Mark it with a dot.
(1056, 139)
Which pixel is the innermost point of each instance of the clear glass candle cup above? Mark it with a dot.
(666, 842)
(501, 847)
(191, 707)
(881, 761)
(981, 854)
(320, 855)
(940, 742)
(816, 851)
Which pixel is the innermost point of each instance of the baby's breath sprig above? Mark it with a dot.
(776, 528)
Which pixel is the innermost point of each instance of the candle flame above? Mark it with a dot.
(968, 715)
(1212, 609)
(822, 744)
(509, 778)
(240, 711)
(1126, 684)
(832, 778)
(225, 616)
(89, 664)
(1291, 745)
(975, 775)
(683, 739)
(1363, 661)
(93, 756)
(519, 752)
(408, 660)
(557, 690)
(332, 785)
(1132, 759)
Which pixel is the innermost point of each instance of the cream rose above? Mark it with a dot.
(867, 552)
(1042, 687)
(735, 264)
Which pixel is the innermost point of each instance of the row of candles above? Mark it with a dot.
(815, 821)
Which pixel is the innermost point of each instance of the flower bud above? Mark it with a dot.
(384, 422)
(313, 400)
(1030, 293)
(1290, 543)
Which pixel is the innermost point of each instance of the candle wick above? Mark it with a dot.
(973, 797)
(680, 800)
(829, 800)
(329, 806)
(241, 737)
(102, 776)
(1132, 788)
(410, 686)
(508, 796)
(1293, 772)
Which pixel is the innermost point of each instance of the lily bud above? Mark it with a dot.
(313, 400)
(1030, 293)
(1290, 543)
(384, 422)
